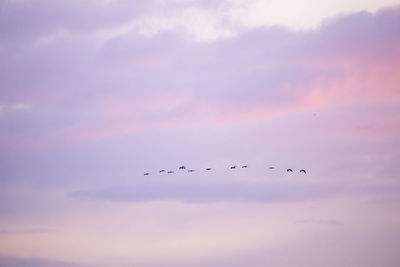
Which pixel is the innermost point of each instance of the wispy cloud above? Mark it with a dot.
(259, 75)
(35, 262)
(209, 190)
(95, 93)
(13, 232)
(320, 222)
(14, 107)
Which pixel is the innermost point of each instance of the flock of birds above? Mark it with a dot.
(183, 168)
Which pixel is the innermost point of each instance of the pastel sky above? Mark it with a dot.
(94, 93)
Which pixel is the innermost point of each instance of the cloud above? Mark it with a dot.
(95, 93)
(22, 21)
(89, 100)
(20, 107)
(33, 262)
(14, 107)
(205, 192)
(23, 231)
(213, 190)
(260, 74)
(320, 222)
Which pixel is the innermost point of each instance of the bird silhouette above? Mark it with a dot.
(231, 167)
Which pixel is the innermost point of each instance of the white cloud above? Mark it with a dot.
(51, 38)
(19, 106)
(202, 24)
(207, 23)
(15, 107)
(297, 15)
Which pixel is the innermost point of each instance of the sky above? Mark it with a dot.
(95, 93)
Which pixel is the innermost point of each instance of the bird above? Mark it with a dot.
(245, 166)
(302, 170)
(208, 169)
(162, 170)
(271, 168)
(233, 167)
(289, 170)
(146, 173)
(170, 171)
(190, 170)
(182, 167)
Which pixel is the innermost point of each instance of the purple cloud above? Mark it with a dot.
(320, 222)
(208, 191)
(32, 262)
(205, 190)
(89, 101)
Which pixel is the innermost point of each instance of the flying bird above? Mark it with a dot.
(170, 171)
(182, 167)
(271, 168)
(303, 171)
(233, 167)
(289, 170)
(190, 170)
(162, 170)
(208, 169)
(146, 173)
(245, 166)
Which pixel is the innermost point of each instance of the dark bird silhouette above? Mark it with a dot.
(170, 171)
(208, 169)
(271, 168)
(289, 170)
(245, 166)
(146, 173)
(162, 170)
(182, 167)
(233, 167)
(303, 171)
(190, 170)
